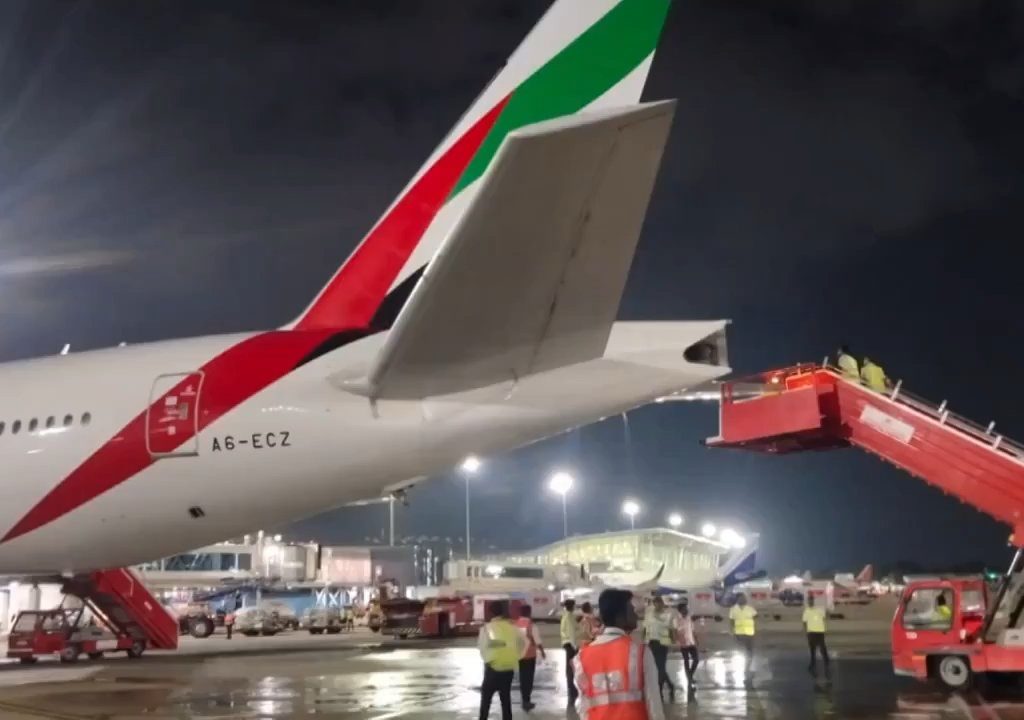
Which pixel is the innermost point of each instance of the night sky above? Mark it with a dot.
(839, 171)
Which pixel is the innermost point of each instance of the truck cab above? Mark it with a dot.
(929, 642)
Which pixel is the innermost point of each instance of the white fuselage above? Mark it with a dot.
(101, 494)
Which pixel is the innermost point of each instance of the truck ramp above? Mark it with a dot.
(815, 407)
(121, 600)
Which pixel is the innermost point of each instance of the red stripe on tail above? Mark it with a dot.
(357, 289)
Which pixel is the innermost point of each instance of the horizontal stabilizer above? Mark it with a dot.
(531, 277)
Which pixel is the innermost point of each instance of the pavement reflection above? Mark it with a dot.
(444, 682)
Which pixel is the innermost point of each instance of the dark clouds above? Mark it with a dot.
(839, 170)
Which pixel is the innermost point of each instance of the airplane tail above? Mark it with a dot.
(583, 55)
(866, 575)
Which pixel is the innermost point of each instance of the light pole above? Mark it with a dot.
(561, 483)
(469, 467)
(675, 520)
(631, 508)
(391, 520)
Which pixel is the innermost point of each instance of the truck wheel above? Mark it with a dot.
(315, 631)
(28, 660)
(135, 651)
(96, 655)
(70, 654)
(333, 630)
(955, 672)
(200, 627)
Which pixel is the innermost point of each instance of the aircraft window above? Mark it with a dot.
(68, 420)
(50, 422)
(16, 426)
(32, 425)
(86, 418)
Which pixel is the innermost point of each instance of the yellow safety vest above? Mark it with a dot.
(502, 645)
(743, 617)
(848, 365)
(874, 376)
(567, 629)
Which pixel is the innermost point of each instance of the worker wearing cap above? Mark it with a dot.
(848, 364)
(528, 662)
(743, 627)
(874, 376)
(501, 645)
(814, 626)
(658, 632)
(616, 675)
(568, 631)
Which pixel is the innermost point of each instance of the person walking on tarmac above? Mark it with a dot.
(590, 625)
(568, 631)
(848, 364)
(814, 626)
(683, 630)
(874, 376)
(616, 675)
(229, 622)
(658, 631)
(528, 662)
(501, 645)
(742, 617)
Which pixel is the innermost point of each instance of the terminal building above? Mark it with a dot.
(689, 560)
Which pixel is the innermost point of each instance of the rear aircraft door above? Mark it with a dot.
(173, 415)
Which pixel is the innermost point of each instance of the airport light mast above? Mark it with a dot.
(470, 466)
(675, 520)
(561, 483)
(631, 508)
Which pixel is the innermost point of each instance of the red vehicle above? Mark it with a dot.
(814, 408)
(60, 632)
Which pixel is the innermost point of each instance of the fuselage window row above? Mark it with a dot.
(49, 423)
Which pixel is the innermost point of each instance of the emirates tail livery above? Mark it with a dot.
(476, 316)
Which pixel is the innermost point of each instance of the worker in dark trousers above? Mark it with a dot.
(229, 623)
(568, 632)
(814, 625)
(684, 635)
(658, 631)
(501, 645)
(528, 662)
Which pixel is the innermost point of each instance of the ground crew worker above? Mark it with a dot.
(874, 376)
(848, 364)
(590, 626)
(943, 613)
(683, 628)
(501, 645)
(814, 626)
(568, 632)
(657, 629)
(742, 617)
(616, 675)
(229, 622)
(528, 662)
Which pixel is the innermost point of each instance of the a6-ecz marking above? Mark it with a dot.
(257, 441)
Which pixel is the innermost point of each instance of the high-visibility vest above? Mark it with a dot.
(743, 617)
(502, 645)
(656, 627)
(848, 365)
(525, 626)
(874, 376)
(612, 680)
(567, 629)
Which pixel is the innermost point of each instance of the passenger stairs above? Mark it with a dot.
(814, 407)
(121, 600)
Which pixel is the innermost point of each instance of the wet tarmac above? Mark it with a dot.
(364, 677)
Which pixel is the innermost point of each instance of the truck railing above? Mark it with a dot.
(802, 375)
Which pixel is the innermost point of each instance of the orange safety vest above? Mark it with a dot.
(612, 680)
(526, 625)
